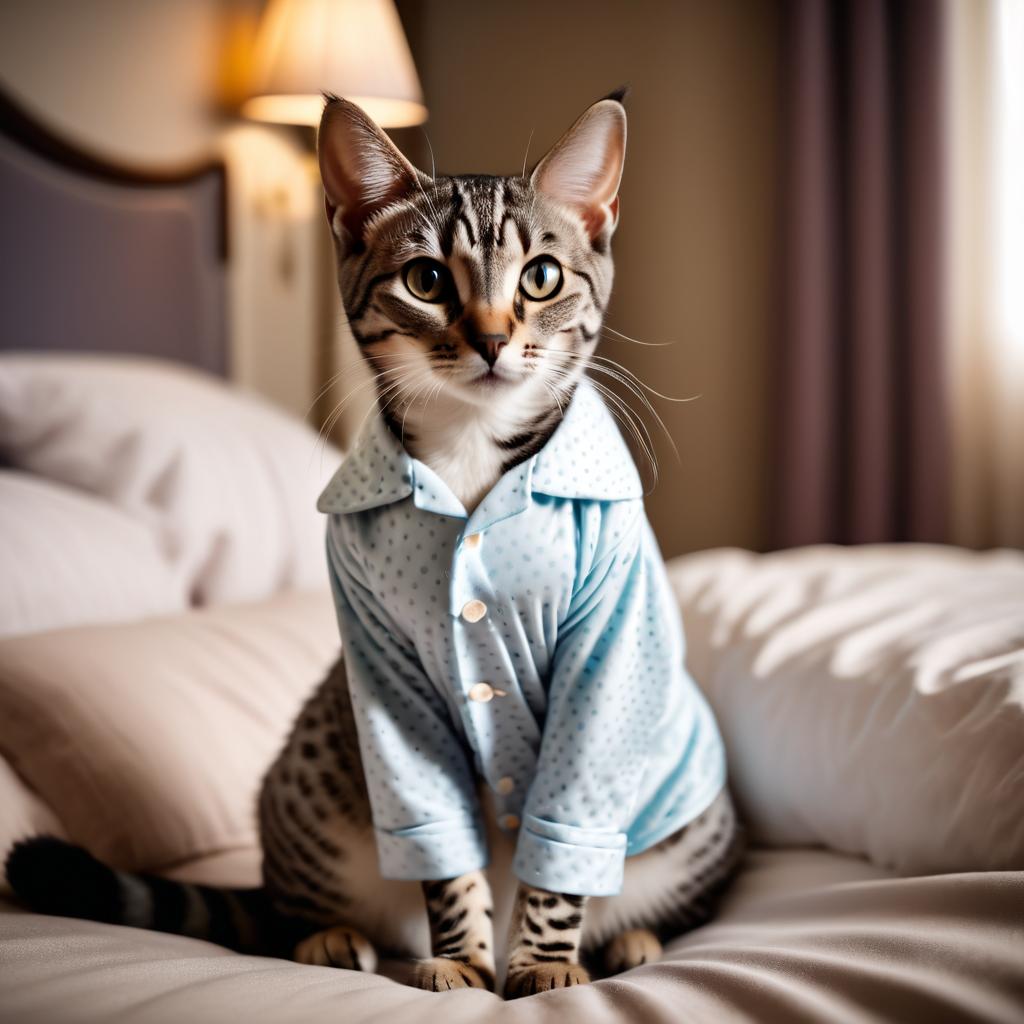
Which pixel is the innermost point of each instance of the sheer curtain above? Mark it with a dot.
(986, 382)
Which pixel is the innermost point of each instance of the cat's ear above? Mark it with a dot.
(361, 168)
(585, 166)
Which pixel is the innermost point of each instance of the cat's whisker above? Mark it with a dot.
(394, 389)
(618, 336)
(335, 414)
(642, 383)
(526, 155)
(626, 383)
(629, 418)
(426, 139)
(332, 380)
(629, 380)
(623, 405)
(423, 388)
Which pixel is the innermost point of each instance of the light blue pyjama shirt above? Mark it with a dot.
(535, 645)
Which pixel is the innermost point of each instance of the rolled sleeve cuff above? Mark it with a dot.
(567, 859)
(436, 850)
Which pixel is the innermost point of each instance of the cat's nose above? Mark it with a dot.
(489, 346)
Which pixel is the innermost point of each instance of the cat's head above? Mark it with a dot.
(477, 289)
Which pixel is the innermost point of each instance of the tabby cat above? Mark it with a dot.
(477, 303)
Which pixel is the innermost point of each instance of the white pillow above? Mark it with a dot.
(871, 699)
(227, 484)
(69, 559)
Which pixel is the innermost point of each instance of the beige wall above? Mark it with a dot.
(137, 80)
(694, 247)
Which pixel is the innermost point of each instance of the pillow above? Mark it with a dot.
(69, 559)
(871, 699)
(148, 740)
(227, 484)
(24, 815)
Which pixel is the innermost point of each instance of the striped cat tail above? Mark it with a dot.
(52, 876)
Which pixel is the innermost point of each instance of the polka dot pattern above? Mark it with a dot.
(594, 741)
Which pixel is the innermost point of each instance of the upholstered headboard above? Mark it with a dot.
(99, 258)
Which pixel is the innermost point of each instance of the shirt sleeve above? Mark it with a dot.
(617, 663)
(422, 796)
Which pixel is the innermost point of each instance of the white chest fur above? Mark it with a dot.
(461, 441)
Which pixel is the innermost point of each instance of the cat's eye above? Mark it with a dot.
(427, 279)
(541, 279)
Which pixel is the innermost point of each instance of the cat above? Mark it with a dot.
(477, 303)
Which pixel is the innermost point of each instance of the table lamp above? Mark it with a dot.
(354, 48)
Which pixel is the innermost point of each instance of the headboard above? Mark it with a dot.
(99, 258)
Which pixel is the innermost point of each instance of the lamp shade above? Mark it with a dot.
(354, 48)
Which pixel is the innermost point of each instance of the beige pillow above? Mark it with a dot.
(149, 740)
(69, 559)
(22, 814)
(226, 484)
(871, 699)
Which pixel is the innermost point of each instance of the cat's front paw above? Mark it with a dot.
(439, 974)
(631, 949)
(526, 981)
(339, 946)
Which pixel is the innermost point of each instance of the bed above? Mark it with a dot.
(872, 700)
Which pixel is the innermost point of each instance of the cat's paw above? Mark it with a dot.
(440, 973)
(339, 946)
(631, 949)
(526, 981)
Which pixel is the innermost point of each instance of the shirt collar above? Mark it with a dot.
(586, 457)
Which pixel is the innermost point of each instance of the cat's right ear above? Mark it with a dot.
(361, 168)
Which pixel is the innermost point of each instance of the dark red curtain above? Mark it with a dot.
(861, 451)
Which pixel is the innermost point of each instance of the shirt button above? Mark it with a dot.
(481, 692)
(508, 822)
(505, 785)
(474, 611)
(473, 540)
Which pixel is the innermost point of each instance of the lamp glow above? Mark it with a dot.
(354, 48)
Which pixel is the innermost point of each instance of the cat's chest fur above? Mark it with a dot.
(468, 446)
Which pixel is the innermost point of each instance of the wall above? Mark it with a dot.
(694, 246)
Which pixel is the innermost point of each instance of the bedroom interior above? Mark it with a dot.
(817, 289)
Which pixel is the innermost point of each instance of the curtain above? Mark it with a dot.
(987, 272)
(861, 452)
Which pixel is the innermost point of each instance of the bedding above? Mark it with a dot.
(803, 936)
(226, 484)
(871, 698)
(148, 739)
(71, 559)
(849, 685)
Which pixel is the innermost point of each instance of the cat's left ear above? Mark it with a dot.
(585, 166)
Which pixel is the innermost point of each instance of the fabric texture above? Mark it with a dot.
(871, 699)
(508, 634)
(224, 483)
(803, 936)
(149, 740)
(860, 453)
(70, 559)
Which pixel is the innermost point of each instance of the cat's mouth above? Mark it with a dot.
(494, 377)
